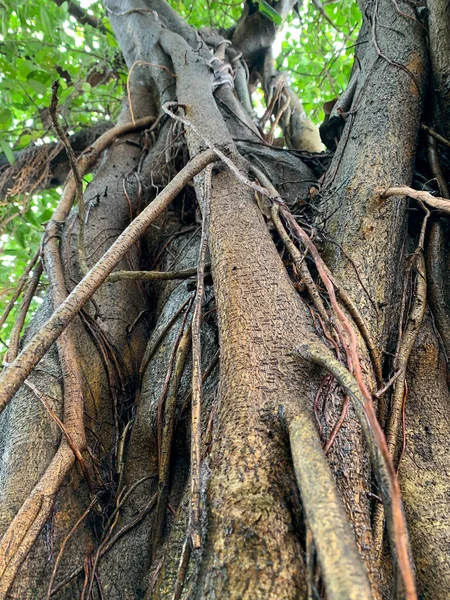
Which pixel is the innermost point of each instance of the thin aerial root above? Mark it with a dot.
(300, 264)
(197, 388)
(353, 310)
(338, 426)
(173, 355)
(328, 279)
(436, 271)
(410, 332)
(381, 460)
(18, 325)
(437, 275)
(151, 349)
(182, 568)
(19, 287)
(330, 285)
(64, 544)
(395, 431)
(75, 172)
(182, 352)
(110, 543)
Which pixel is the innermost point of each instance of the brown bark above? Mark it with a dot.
(269, 513)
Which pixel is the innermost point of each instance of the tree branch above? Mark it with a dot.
(82, 16)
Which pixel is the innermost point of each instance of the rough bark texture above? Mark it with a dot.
(265, 411)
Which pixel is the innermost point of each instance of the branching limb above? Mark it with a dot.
(435, 202)
(80, 15)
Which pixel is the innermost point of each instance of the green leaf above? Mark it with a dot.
(7, 151)
(24, 140)
(269, 12)
(46, 23)
(39, 81)
(5, 116)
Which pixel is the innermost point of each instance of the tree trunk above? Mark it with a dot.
(121, 475)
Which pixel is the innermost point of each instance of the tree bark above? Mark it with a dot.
(291, 474)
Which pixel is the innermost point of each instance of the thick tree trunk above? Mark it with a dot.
(265, 513)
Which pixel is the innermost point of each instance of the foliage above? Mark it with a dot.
(40, 42)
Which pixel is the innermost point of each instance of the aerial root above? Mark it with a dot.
(19, 287)
(197, 388)
(341, 564)
(381, 460)
(27, 524)
(166, 426)
(28, 296)
(32, 516)
(436, 271)
(75, 173)
(110, 541)
(22, 366)
(395, 427)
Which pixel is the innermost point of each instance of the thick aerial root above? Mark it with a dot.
(32, 516)
(341, 564)
(382, 464)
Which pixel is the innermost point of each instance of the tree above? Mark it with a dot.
(235, 385)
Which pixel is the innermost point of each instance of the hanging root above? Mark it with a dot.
(197, 391)
(410, 332)
(27, 524)
(437, 275)
(19, 287)
(20, 321)
(435, 256)
(380, 457)
(75, 173)
(341, 564)
(182, 568)
(182, 347)
(395, 424)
